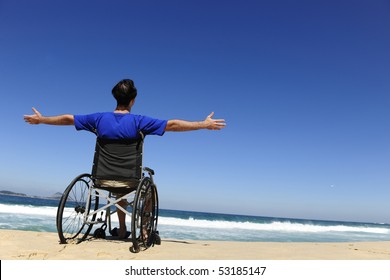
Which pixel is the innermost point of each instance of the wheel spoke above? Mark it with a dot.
(73, 207)
(144, 217)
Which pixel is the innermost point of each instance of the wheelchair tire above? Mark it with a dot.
(99, 233)
(144, 216)
(71, 209)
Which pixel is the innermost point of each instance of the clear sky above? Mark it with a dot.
(303, 85)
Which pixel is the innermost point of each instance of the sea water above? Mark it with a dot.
(37, 214)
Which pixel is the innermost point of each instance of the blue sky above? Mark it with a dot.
(303, 85)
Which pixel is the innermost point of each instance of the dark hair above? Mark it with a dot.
(124, 92)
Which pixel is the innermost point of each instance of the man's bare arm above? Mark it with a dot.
(208, 123)
(37, 118)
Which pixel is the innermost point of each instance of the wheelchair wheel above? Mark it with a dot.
(72, 209)
(144, 217)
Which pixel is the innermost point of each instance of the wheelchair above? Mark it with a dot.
(91, 199)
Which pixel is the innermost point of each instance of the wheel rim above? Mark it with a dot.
(145, 215)
(73, 207)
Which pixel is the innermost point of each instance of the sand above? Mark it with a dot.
(29, 245)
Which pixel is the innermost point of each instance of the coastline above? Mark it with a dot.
(30, 245)
(55, 197)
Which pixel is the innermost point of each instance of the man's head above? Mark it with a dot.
(124, 92)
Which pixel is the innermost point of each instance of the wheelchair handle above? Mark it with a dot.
(149, 170)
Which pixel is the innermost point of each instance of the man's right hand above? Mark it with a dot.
(33, 119)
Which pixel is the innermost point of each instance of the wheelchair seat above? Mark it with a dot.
(117, 174)
(117, 164)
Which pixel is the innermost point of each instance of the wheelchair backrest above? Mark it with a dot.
(117, 159)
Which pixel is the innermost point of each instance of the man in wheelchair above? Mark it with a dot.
(122, 126)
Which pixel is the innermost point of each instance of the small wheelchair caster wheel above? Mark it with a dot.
(157, 240)
(154, 239)
(134, 250)
(99, 233)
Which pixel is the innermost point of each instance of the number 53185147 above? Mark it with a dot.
(241, 270)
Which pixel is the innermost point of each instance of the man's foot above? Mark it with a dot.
(114, 232)
(120, 233)
(123, 233)
(125, 236)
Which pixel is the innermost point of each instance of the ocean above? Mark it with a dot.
(37, 214)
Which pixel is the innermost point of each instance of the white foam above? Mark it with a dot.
(195, 223)
(28, 210)
(274, 226)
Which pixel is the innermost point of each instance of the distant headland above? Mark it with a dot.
(53, 196)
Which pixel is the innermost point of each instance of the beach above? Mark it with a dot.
(32, 245)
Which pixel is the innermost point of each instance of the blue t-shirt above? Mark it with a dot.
(111, 125)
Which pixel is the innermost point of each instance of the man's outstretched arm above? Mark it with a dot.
(208, 123)
(37, 118)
